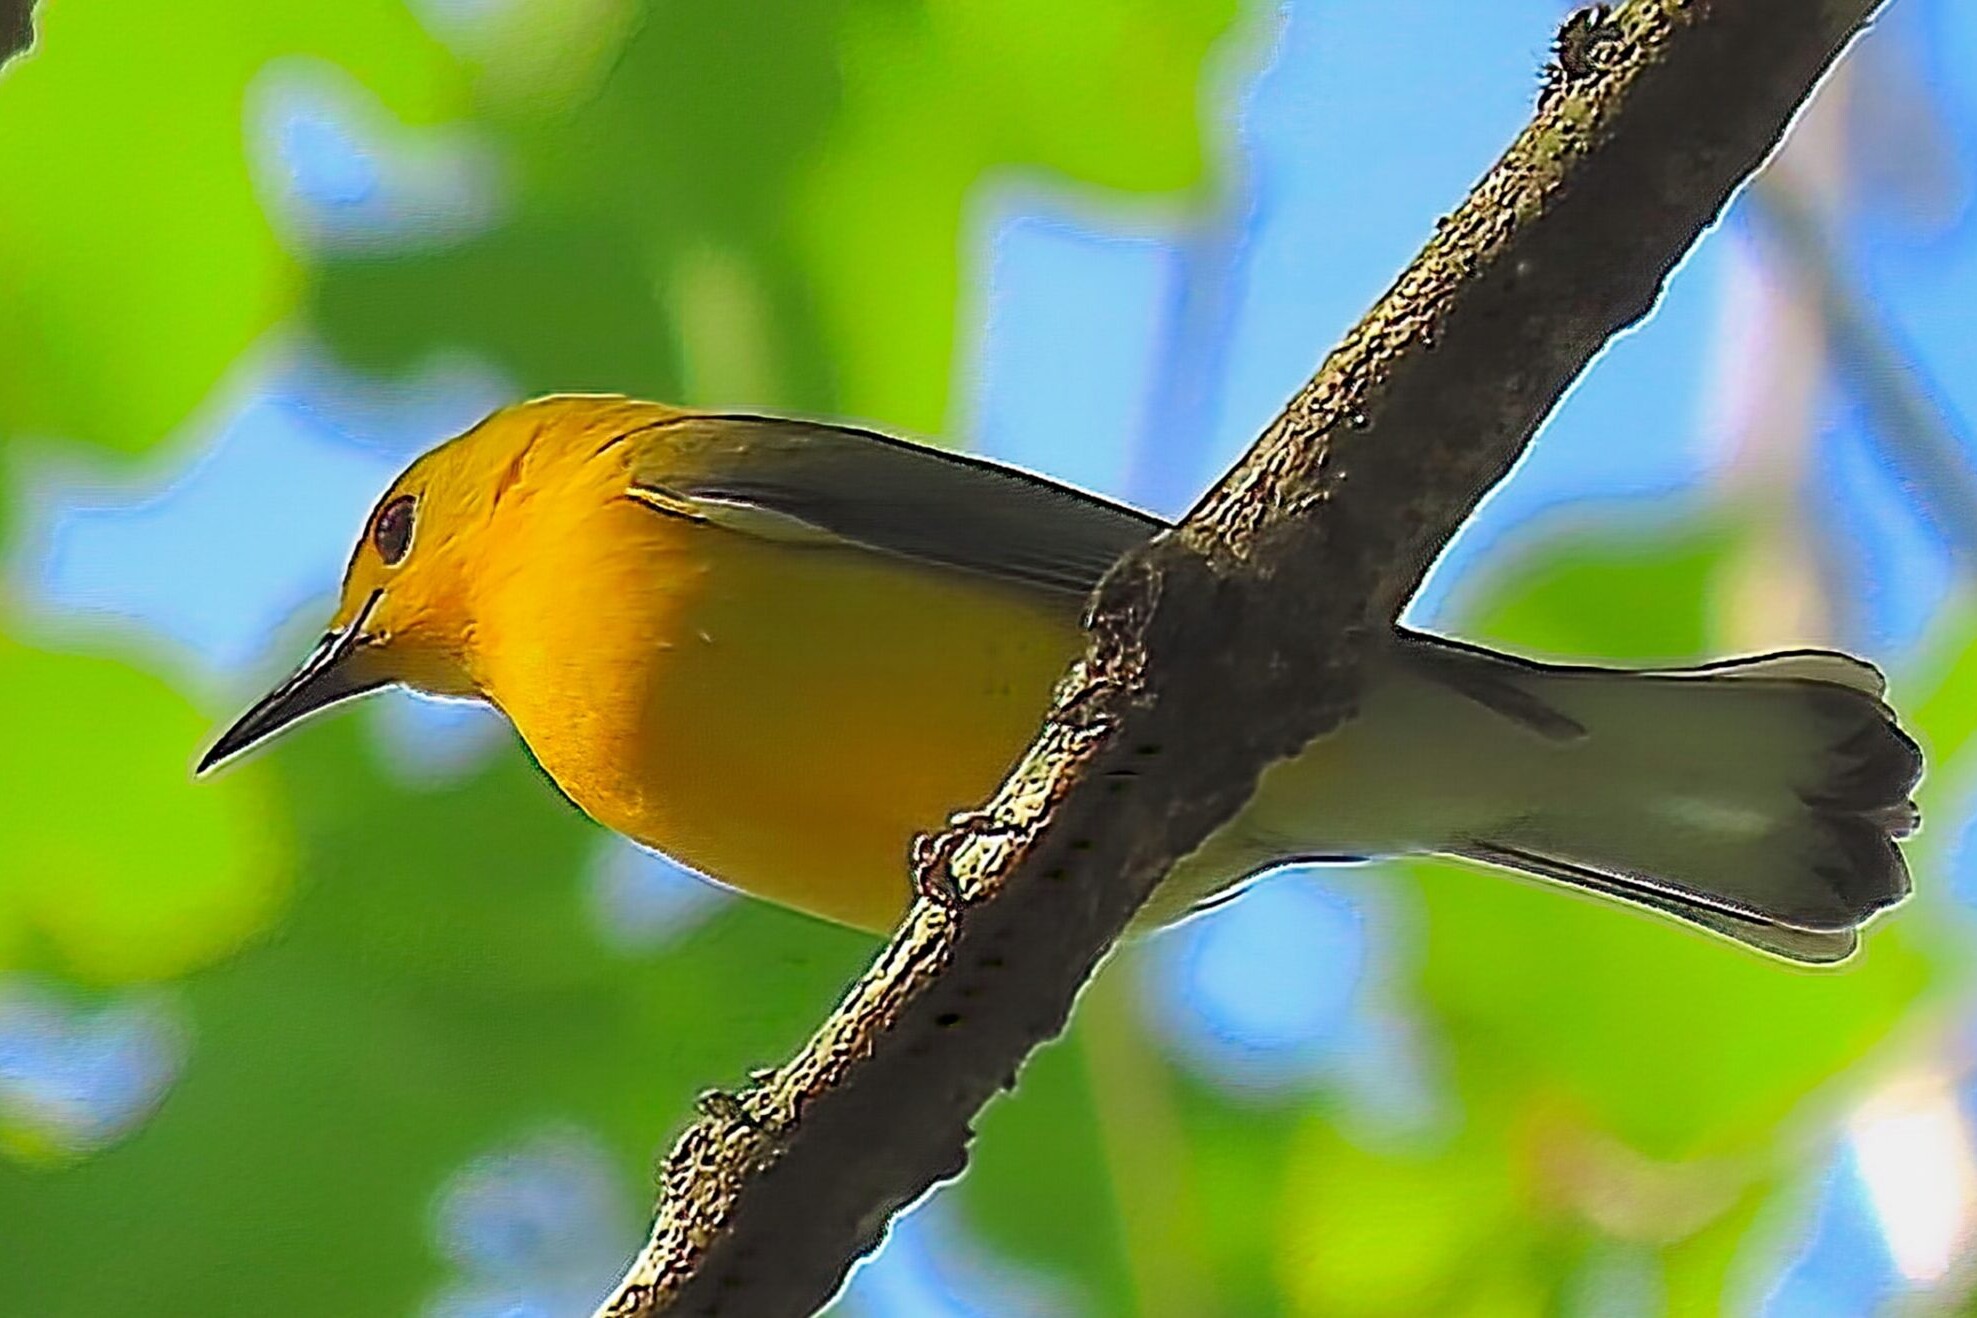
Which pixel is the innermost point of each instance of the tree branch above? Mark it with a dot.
(16, 28)
(1235, 639)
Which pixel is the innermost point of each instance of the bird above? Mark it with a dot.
(780, 650)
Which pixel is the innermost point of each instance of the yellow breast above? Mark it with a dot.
(782, 718)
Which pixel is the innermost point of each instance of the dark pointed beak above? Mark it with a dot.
(333, 672)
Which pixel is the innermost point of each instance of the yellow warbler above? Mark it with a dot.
(777, 650)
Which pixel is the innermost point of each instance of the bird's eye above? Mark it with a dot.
(392, 533)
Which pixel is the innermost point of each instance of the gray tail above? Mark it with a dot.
(1760, 799)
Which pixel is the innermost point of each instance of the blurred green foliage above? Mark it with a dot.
(148, 876)
(436, 994)
(816, 197)
(768, 213)
(137, 261)
(692, 214)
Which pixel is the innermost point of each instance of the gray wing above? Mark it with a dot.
(807, 482)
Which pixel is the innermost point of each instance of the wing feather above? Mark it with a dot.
(811, 483)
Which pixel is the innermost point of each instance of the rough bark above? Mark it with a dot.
(1237, 638)
(16, 28)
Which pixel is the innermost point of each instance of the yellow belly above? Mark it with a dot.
(784, 719)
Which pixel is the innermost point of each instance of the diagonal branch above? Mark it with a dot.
(16, 28)
(1235, 639)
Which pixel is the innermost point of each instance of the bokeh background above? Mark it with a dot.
(376, 1024)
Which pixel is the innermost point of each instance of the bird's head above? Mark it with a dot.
(406, 612)
(396, 611)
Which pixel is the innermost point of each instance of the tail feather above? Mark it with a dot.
(1824, 667)
(1814, 947)
(1759, 798)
